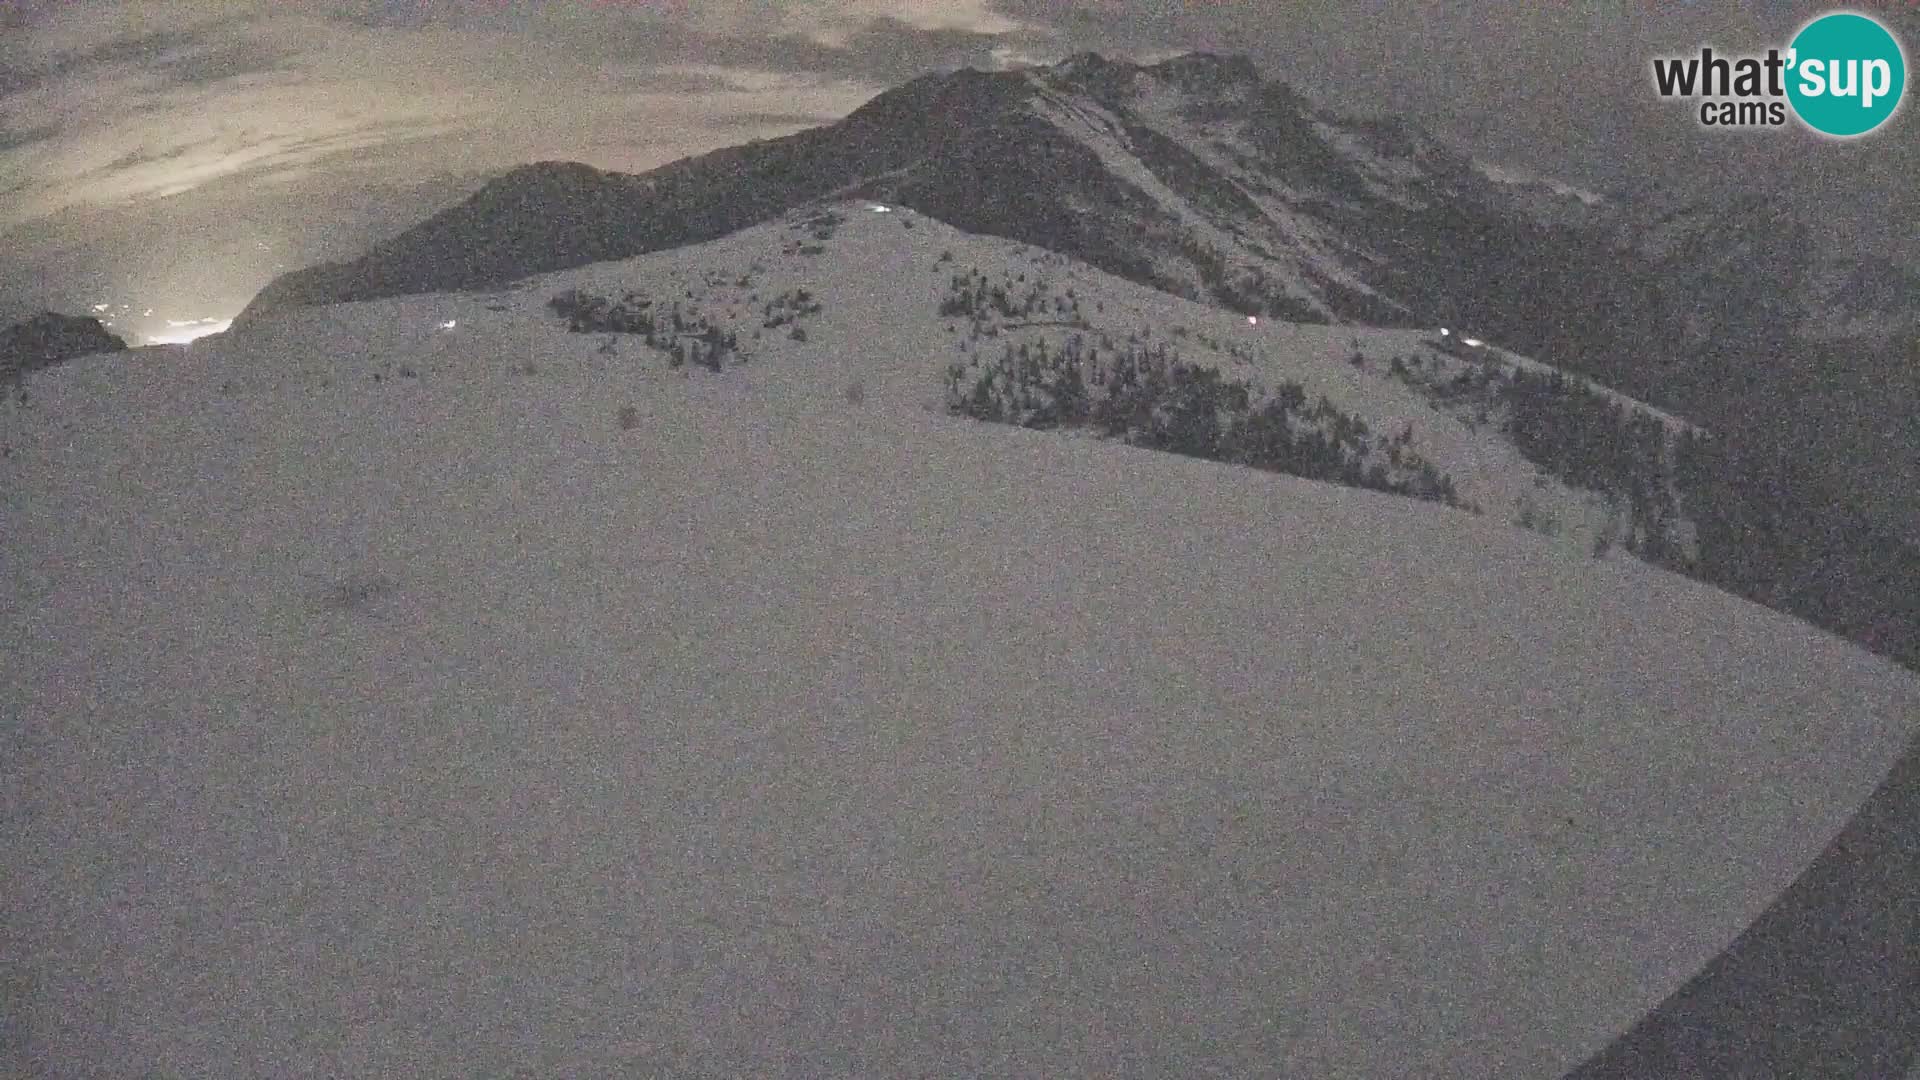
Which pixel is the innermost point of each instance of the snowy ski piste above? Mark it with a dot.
(439, 724)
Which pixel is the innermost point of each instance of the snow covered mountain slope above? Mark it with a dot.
(1767, 275)
(1479, 427)
(1555, 203)
(385, 695)
(876, 291)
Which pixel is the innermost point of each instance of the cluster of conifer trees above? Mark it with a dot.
(1150, 397)
(684, 336)
(1763, 528)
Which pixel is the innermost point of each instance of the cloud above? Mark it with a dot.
(21, 70)
(133, 132)
(889, 50)
(161, 112)
(877, 41)
(878, 52)
(11, 138)
(835, 22)
(147, 100)
(419, 14)
(770, 120)
(676, 81)
(207, 63)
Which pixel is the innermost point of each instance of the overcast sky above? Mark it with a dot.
(176, 154)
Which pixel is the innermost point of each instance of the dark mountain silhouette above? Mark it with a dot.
(49, 338)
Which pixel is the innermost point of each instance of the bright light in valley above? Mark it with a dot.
(1253, 320)
(1472, 342)
(179, 333)
(448, 325)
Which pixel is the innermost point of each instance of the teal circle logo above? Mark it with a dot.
(1846, 74)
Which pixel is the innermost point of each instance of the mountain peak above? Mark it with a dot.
(572, 168)
(552, 173)
(1081, 60)
(1226, 67)
(1193, 71)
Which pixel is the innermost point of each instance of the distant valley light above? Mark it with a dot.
(449, 324)
(180, 333)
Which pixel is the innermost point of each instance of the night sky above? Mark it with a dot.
(174, 155)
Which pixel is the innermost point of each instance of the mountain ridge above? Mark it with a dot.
(1547, 449)
(1199, 177)
(1311, 214)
